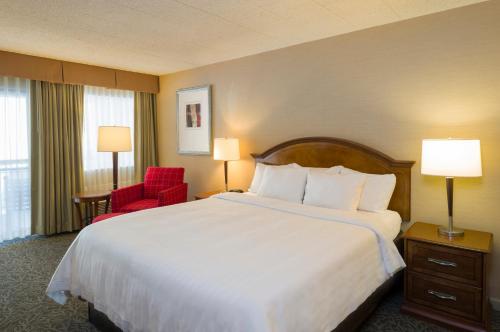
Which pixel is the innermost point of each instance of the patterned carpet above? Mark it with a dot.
(27, 265)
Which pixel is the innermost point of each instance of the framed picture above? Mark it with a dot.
(194, 127)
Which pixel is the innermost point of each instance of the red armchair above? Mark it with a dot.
(162, 186)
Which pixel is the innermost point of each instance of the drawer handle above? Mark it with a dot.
(441, 262)
(441, 295)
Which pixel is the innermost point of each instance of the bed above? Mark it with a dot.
(238, 262)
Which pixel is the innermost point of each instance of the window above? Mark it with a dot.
(106, 107)
(15, 197)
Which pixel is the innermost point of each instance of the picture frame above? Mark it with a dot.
(194, 120)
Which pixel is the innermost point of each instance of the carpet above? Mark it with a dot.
(26, 267)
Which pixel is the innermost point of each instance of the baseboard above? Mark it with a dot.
(495, 303)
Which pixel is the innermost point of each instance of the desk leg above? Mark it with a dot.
(88, 212)
(79, 212)
(96, 211)
(107, 205)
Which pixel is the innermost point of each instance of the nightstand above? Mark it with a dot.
(446, 280)
(91, 200)
(207, 194)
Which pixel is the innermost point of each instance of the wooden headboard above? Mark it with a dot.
(328, 152)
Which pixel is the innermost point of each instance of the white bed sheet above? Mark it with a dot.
(228, 263)
(389, 221)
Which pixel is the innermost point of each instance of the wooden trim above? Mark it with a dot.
(334, 140)
(468, 299)
(440, 318)
(31, 67)
(127, 80)
(471, 312)
(76, 73)
(472, 240)
(468, 267)
(329, 151)
(57, 71)
(486, 291)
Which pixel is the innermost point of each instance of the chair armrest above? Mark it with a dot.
(173, 195)
(126, 195)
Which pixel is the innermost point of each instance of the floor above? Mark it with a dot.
(26, 267)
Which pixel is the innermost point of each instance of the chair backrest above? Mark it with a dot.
(157, 179)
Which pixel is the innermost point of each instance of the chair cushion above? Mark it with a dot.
(142, 204)
(106, 216)
(157, 179)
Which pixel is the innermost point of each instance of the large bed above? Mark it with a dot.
(242, 262)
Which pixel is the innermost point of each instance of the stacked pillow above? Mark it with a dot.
(334, 191)
(336, 187)
(377, 191)
(286, 182)
(259, 174)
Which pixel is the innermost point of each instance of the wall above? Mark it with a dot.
(387, 87)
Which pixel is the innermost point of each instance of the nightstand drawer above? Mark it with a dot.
(450, 263)
(445, 295)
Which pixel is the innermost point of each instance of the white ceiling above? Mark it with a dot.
(163, 36)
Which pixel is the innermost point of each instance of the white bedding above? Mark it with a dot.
(229, 263)
(388, 221)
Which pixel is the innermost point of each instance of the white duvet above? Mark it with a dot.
(228, 263)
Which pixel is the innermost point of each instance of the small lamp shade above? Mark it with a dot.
(451, 157)
(114, 139)
(226, 149)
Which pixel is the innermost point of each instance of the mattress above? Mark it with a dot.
(229, 263)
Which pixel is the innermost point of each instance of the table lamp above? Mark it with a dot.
(227, 149)
(451, 158)
(114, 139)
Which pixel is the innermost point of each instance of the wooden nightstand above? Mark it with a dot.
(91, 200)
(207, 194)
(446, 280)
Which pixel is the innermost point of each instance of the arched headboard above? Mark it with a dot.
(328, 152)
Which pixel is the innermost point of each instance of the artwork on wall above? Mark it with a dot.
(194, 128)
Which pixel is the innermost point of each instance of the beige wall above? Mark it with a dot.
(387, 87)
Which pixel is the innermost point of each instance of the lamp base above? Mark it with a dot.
(454, 232)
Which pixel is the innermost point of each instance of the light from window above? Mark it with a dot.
(15, 192)
(106, 107)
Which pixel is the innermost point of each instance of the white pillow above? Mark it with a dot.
(377, 192)
(286, 183)
(259, 173)
(334, 191)
(330, 170)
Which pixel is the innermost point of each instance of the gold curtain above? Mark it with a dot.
(56, 155)
(145, 133)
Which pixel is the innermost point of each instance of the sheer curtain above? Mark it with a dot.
(15, 202)
(106, 107)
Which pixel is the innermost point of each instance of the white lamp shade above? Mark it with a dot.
(226, 149)
(451, 157)
(114, 139)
